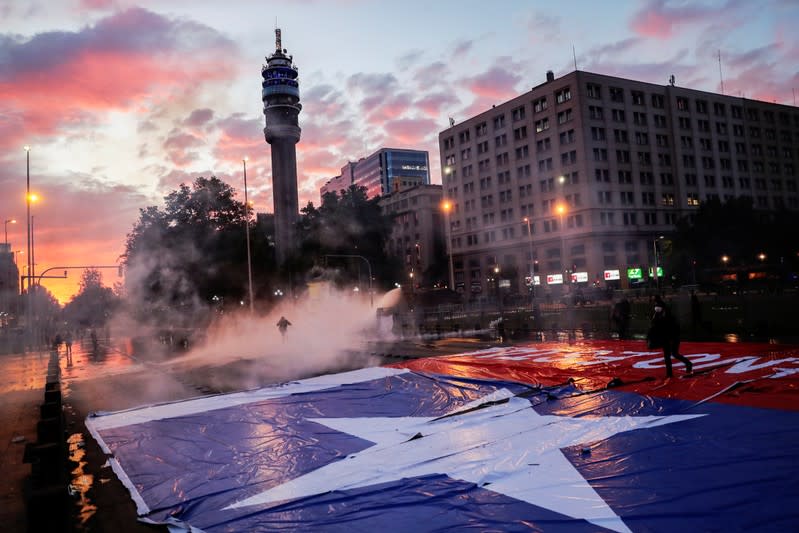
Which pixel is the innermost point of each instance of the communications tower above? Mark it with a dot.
(281, 97)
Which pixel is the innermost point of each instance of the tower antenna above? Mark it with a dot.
(278, 42)
(574, 56)
(721, 77)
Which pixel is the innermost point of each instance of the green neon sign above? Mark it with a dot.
(635, 273)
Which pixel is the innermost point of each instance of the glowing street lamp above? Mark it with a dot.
(28, 222)
(247, 233)
(6, 223)
(725, 259)
(761, 256)
(446, 206)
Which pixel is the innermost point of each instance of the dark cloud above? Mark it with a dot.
(199, 117)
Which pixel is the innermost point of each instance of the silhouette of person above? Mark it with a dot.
(665, 332)
(283, 326)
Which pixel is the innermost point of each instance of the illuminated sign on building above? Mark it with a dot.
(579, 277)
(611, 275)
(635, 273)
(413, 167)
(660, 272)
(554, 279)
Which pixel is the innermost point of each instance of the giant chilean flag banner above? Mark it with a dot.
(545, 437)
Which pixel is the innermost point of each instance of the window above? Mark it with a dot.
(500, 140)
(648, 198)
(637, 97)
(658, 101)
(502, 159)
(701, 107)
(620, 136)
(480, 129)
(666, 178)
(540, 104)
(520, 133)
(564, 116)
(629, 219)
(684, 122)
(606, 219)
(718, 109)
(602, 175)
(644, 158)
(693, 199)
(482, 147)
(662, 140)
(625, 176)
(499, 121)
(563, 95)
(593, 90)
(667, 199)
(604, 197)
(639, 119)
(618, 115)
(623, 156)
(463, 136)
(650, 218)
(568, 158)
(517, 114)
(738, 130)
(543, 145)
(541, 125)
(567, 137)
(466, 154)
(736, 111)
(660, 121)
(600, 154)
(598, 134)
(705, 144)
(721, 128)
(688, 161)
(595, 113)
(703, 125)
(522, 152)
(646, 178)
(664, 160)
(449, 143)
(682, 103)
(641, 138)
(626, 197)
(617, 94)
(690, 180)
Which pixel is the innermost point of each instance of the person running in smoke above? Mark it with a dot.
(283, 326)
(665, 333)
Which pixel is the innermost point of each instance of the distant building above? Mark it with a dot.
(9, 284)
(417, 236)
(600, 167)
(383, 172)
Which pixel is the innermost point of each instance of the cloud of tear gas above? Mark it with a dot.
(329, 332)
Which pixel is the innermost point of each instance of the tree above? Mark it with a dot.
(182, 256)
(93, 304)
(347, 224)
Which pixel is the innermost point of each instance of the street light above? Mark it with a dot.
(725, 259)
(28, 223)
(247, 233)
(532, 263)
(12, 221)
(446, 206)
(560, 209)
(761, 256)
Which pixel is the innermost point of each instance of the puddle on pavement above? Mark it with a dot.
(81, 482)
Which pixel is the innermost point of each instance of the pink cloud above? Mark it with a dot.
(409, 132)
(496, 83)
(56, 79)
(660, 20)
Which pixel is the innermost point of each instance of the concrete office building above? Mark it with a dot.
(417, 235)
(383, 172)
(9, 284)
(598, 167)
(281, 99)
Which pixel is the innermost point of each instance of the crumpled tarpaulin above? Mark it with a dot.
(407, 450)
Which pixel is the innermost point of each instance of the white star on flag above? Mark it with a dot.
(507, 448)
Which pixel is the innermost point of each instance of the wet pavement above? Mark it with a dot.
(112, 378)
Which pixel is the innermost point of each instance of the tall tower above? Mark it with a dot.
(281, 97)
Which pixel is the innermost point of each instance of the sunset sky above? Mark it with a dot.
(121, 101)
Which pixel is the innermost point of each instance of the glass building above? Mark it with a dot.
(383, 172)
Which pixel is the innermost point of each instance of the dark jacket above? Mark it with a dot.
(664, 329)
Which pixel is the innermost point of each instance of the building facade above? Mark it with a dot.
(417, 235)
(9, 284)
(383, 172)
(576, 180)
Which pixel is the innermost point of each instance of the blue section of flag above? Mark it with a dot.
(732, 470)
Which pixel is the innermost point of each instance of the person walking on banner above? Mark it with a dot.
(664, 332)
(283, 326)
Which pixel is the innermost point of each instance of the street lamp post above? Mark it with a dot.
(12, 221)
(28, 223)
(447, 207)
(561, 210)
(532, 262)
(247, 233)
(657, 262)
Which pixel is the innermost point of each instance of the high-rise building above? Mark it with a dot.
(383, 172)
(597, 168)
(281, 98)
